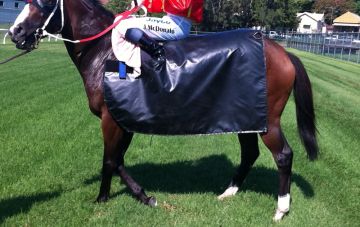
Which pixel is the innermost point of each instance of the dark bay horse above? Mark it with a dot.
(83, 18)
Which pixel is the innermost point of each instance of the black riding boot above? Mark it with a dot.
(146, 43)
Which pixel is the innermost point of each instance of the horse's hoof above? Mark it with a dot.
(102, 199)
(279, 215)
(151, 201)
(230, 191)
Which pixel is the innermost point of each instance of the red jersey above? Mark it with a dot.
(192, 9)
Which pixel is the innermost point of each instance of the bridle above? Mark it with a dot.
(49, 10)
(43, 7)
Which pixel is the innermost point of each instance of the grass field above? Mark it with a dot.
(51, 155)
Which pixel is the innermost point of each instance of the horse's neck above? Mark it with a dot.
(84, 19)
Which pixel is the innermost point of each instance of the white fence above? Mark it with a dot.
(344, 46)
(3, 35)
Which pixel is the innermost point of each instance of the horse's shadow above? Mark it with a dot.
(209, 174)
(22, 204)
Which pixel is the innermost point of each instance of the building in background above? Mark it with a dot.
(348, 22)
(310, 22)
(9, 10)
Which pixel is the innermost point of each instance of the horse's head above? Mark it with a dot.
(36, 15)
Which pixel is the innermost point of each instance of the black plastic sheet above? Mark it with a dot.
(209, 84)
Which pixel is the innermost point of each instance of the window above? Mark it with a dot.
(16, 5)
(1, 3)
(306, 26)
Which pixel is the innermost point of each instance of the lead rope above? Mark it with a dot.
(14, 57)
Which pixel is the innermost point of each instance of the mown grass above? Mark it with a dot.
(51, 155)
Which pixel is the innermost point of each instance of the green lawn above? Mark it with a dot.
(51, 155)
(5, 26)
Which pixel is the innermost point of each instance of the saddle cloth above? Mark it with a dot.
(209, 84)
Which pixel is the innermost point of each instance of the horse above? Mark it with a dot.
(285, 74)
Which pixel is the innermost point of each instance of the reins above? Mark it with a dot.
(42, 32)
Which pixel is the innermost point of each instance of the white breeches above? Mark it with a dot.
(168, 27)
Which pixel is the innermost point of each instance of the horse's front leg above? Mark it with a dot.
(116, 142)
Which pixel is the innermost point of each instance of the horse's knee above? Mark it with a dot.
(284, 158)
(109, 166)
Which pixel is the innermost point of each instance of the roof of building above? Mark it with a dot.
(314, 16)
(348, 18)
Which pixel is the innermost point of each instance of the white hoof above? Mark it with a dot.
(279, 214)
(283, 207)
(230, 191)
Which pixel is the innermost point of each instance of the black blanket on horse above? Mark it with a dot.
(209, 84)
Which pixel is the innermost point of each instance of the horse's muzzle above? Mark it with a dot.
(22, 40)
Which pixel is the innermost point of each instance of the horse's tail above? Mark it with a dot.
(305, 113)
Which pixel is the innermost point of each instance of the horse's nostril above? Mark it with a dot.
(19, 32)
(18, 29)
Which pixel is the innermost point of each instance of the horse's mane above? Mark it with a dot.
(99, 5)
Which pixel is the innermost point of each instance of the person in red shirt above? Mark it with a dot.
(146, 31)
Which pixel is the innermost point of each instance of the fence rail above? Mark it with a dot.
(344, 46)
(3, 35)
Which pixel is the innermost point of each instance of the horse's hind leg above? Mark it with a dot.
(275, 140)
(249, 154)
(116, 142)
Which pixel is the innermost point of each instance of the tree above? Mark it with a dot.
(272, 14)
(304, 5)
(334, 8)
(357, 9)
(226, 14)
(286, 14)
(262, 14)
(118, 6)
